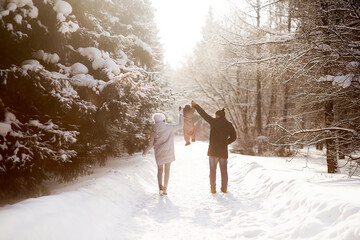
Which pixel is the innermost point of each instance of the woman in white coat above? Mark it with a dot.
(162, 139)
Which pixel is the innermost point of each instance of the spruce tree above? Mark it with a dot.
(78, 80)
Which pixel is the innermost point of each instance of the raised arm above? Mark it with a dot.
(202, 113)
(181, 121)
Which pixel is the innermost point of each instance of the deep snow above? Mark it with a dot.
(269, 198)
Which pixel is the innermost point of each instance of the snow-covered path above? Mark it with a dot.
(267, 199)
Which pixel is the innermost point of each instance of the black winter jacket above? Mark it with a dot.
(222, 133)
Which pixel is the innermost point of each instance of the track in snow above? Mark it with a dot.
(124, 203)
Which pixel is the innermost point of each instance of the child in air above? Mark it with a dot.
(189, 129)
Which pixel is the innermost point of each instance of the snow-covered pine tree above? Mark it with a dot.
(77, 83)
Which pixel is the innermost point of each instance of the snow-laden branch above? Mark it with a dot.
(317, 130)
(280, 41)
(255, 61)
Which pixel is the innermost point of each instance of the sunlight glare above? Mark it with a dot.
(180, 23)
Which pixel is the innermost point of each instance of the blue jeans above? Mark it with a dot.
(213, 161)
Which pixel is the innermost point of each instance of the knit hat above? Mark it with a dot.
(158, 117)
(221, 113)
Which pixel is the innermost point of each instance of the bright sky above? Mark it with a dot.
(180, 23)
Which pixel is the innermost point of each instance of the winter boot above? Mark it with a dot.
(224, 190)
(187, 143)
(161, 190)
(165, 190)
(213, 190)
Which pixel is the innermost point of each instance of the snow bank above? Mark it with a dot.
(268, 198)
(302, 204)
(92, 212)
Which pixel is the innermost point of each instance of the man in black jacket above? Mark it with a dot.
(222, 133)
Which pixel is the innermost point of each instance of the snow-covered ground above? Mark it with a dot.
(268, 198)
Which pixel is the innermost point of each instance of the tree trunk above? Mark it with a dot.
(287, 84)
(245, 108)
(319, 146)
(330, 142)
(272, 107)
(258, 86)
(258, 109)
(329, 106)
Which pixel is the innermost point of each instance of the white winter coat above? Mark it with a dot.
(162, 139)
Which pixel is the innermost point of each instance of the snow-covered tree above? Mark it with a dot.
(288, 74)
(78, 80)
(241, 65)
